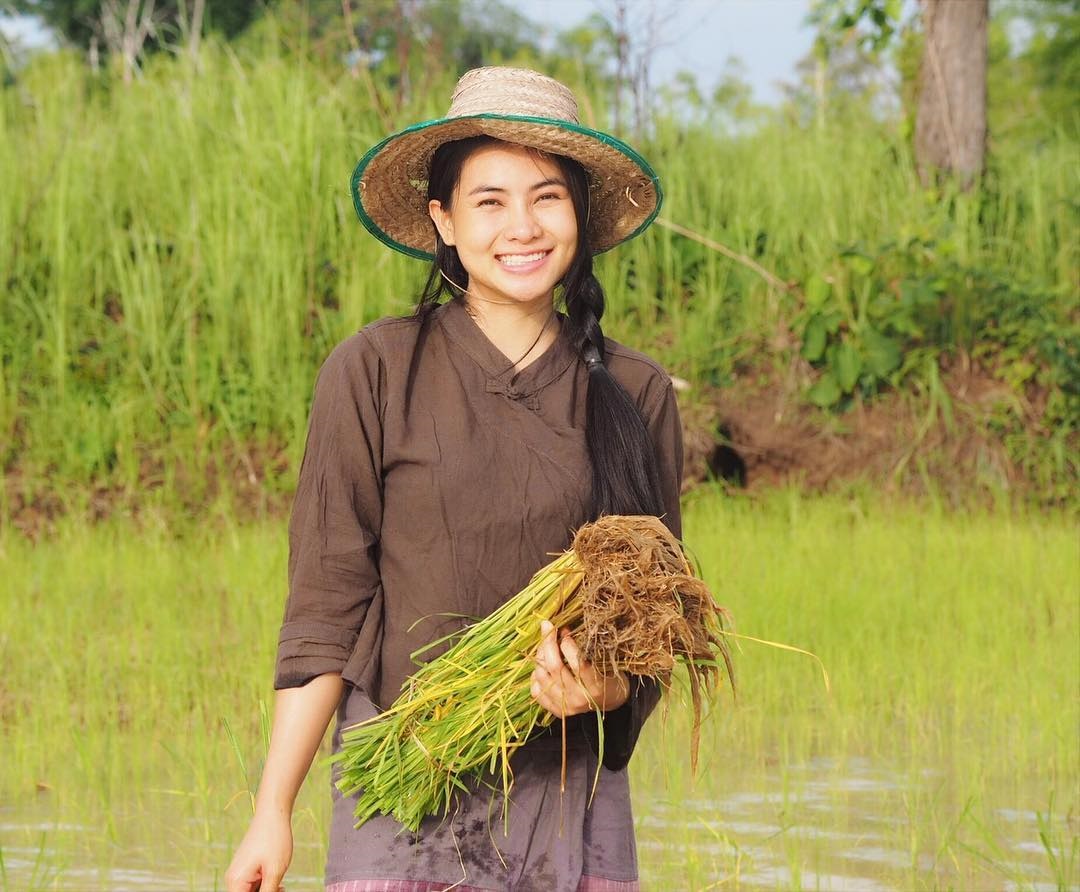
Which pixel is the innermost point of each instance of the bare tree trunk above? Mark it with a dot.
(820, 94)
(622, 59)
(359, 57)
(950, 125)
(125, 32)
(643, 74)
(404, 32)
(195, 34)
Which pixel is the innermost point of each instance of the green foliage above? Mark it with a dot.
(875, 316)
(855, 341)
(866, 320)
(180, 253)
(78, 22)
(414, 39)
(1034, 77)
(869, 23)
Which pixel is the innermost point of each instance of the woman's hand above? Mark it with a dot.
(300, 719)
(565, 683)
(263, 856)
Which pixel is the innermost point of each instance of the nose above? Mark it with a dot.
(522, 224)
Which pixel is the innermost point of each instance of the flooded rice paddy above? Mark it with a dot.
(820, 825)
(848, 828)
(136, 676)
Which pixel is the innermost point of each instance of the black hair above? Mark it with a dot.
(625, 478)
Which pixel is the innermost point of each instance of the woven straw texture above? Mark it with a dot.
(515, 105)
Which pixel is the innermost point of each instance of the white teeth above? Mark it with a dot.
(520, 259)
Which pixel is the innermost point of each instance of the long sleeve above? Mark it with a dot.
(336, 518)
(665, 431)
(622, 726)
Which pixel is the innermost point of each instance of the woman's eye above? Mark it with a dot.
(548, 196)
(488, 202)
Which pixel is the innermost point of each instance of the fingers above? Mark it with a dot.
(263, 856)
(271, 884)
(246, 881)
(265, 877)
(551, 697)
(565, 683)
(551, 684)
(554, 684)
(572, 654)
(547, 654)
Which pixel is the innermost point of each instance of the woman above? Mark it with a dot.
(449, 454)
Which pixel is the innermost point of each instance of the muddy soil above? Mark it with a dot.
(754, 434)
(759, 433)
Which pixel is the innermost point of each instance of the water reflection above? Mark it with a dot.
(156, 849)
(856, 825)
(852, 826)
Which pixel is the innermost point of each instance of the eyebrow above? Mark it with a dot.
(543, 184)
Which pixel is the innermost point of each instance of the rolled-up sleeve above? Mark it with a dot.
(622, 726)
(336, 518)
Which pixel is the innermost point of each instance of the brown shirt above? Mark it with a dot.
(435, 482)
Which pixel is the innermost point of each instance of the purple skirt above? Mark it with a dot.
(551, 842)
(587, 884)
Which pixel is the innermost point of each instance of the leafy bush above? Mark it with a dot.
(865, 317)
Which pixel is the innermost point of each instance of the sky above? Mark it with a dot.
(768, 36)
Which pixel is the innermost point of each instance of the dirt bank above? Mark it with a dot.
(758, 433)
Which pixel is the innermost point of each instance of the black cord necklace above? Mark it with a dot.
(532, 346)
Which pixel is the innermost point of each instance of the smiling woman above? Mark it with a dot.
(512, 221)
(449, 454)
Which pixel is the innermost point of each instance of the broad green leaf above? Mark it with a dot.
(813, 346)
(860, 264)
(817, 292)
(825, 391)
(846, 365)
(883, 354)
(832, 321)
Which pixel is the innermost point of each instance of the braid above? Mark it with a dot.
(584, 299)
(625, 479)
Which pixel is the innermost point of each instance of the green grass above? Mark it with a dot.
(178, 256)
(137, 666)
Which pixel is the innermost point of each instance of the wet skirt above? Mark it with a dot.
(548, 842)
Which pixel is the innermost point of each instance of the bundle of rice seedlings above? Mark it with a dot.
(633, 604)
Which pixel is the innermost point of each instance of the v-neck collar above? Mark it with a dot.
(501, 377)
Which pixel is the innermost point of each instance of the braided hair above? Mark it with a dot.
(625, 478)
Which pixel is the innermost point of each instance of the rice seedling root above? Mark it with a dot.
(629, 596)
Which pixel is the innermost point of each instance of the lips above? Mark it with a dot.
(522, 261)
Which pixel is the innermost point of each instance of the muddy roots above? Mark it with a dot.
(644, 610)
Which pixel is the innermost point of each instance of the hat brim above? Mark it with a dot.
(389, 184)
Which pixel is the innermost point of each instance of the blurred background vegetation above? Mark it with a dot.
(178, 249)
(859, 287)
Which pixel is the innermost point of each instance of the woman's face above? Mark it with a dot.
(512, 221)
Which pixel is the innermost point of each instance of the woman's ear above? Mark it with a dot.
(442, 221)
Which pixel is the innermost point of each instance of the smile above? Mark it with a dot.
(522, 261)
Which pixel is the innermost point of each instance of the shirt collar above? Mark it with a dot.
(498, 369)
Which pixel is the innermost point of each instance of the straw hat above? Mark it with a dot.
(389, 184)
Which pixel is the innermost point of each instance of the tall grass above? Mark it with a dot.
(179, 254)
(137, 663)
